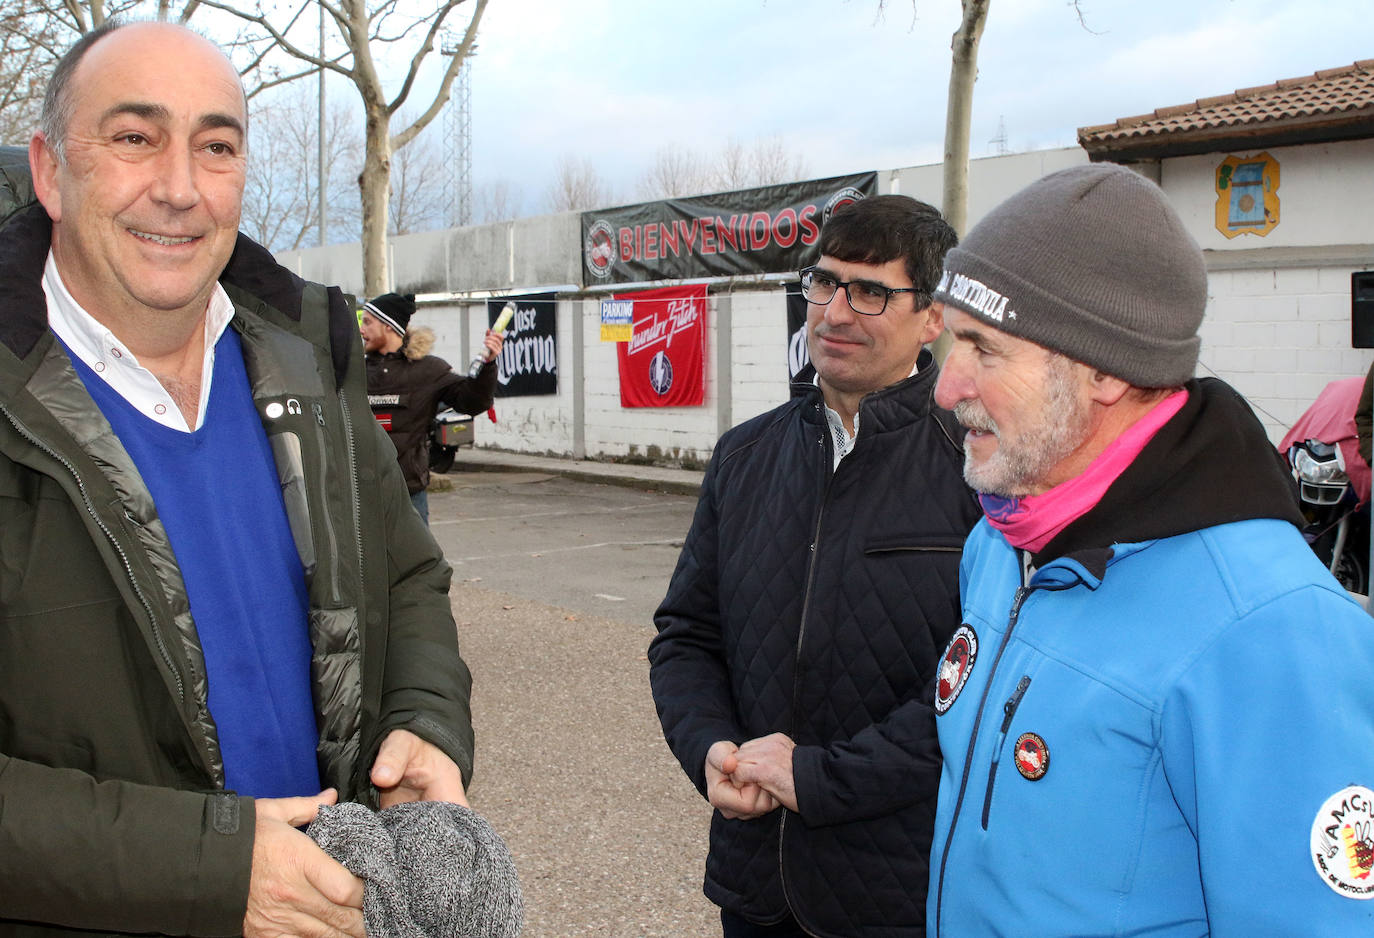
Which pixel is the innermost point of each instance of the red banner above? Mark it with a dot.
(663, 364)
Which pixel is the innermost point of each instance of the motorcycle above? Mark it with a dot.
(448, 431)
(1333, 483)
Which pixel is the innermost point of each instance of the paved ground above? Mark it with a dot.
(555, 582)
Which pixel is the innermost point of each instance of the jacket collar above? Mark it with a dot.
(890, 408)
(1211, 464)
(253, 279)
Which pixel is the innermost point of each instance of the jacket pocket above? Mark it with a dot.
(923, 543)
(1008, 714)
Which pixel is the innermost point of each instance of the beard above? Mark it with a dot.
(1020, 464)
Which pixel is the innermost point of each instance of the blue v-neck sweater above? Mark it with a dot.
(219, 499)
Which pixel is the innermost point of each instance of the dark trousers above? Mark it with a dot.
(735, 926)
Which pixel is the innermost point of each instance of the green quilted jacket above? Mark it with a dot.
(113, 814)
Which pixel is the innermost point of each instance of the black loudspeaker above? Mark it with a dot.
(1362, 309)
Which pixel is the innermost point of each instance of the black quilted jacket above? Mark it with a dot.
(815, 603)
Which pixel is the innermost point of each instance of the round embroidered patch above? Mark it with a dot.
(1032, 756)
(955, 667)
(1343, 842)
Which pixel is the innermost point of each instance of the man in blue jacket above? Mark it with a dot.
(1157, 716)
(812, 598)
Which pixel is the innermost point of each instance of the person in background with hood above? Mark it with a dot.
(406, 385)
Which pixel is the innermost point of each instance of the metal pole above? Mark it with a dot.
(324, 222)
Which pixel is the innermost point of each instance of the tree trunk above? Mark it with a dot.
(375, 183)
(963, 72)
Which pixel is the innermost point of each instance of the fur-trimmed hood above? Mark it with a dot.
(419, 342)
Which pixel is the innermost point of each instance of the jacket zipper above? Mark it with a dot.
(162, 649)
(1022, 593)
(1009, 709)
(334, 591)
(351, 444)
(801, 630)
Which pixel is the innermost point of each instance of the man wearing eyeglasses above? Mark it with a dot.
(811, 600)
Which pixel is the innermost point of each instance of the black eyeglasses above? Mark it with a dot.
(865, 296)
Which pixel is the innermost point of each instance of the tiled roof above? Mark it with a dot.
(1335, 98)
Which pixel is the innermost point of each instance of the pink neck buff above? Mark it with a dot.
(1031, 521)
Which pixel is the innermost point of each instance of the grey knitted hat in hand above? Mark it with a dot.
(1091, 262)
(432, 869)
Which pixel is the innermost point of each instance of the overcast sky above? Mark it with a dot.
(849, 89)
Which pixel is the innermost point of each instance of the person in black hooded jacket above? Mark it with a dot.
(813, 593)
(406, 385)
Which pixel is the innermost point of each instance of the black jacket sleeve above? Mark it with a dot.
(687, 667)
(469, 395)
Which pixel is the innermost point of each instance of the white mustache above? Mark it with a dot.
(973, 417)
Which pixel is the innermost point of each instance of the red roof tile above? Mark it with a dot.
(1333, 95)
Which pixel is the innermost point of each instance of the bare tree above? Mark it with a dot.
(24, 67)
(417, 188)
(497, 201)
(771, 162)
(33, 36)
(365, 31)
(963, 72)
(281, 193)
(577, 187)
(676, 171)
(734, 171)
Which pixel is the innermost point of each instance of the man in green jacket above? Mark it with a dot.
(217, 607)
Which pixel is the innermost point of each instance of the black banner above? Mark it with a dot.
(528, 364)
(772, 229)
(798, 353)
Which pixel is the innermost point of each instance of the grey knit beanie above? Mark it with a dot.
(432, 869)
(1091, 262)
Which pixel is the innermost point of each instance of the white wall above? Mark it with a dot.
(1278, 315)
(1326, 196)
(990, 179)
(758, 353)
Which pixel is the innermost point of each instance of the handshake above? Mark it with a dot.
(748, 781)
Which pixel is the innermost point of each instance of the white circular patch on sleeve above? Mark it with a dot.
(955, 665)
(1343, 842)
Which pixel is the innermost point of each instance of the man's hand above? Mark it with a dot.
(493, 342)
(734, 799)
(767, 762)
(410, 769)
(296, 888)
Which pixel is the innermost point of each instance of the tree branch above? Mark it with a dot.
(441, 96)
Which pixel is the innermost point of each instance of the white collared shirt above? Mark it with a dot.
(844, 441)
(111, 359)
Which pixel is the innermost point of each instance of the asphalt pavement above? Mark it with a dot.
(558, 565)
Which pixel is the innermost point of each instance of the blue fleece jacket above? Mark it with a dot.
(1175, 740)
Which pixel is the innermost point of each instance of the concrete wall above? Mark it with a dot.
(1277, 327)
(990, 179)
(544, 251)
